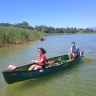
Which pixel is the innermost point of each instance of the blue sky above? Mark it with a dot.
(55, 13)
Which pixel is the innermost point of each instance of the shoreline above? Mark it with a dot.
(16, 43)
(19, 42)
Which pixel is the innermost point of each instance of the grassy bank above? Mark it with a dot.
(13, 35)
(22, 32)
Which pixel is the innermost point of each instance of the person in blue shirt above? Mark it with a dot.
(74, 51)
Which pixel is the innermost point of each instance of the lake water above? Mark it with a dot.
(77, 80)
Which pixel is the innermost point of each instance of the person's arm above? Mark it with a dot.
(78, 49)
(38, 61)
(71, 50)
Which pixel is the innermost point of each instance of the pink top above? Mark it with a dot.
(44, 59)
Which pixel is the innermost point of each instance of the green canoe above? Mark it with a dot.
(21, 73)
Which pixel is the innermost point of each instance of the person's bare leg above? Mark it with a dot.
(69, 60)
(80, 53)
(37, 67)
(32, 67)
(70, 56)
(74, 55)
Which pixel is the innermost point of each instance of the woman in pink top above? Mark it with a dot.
(40, 63)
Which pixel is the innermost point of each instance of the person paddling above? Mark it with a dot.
(42, 39)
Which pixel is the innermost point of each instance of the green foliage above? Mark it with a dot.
(13, 35)
(22, 32)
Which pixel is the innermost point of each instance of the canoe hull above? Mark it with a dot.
(15, 76)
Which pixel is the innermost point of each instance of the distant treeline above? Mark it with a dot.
(22, 32)
(47, 29)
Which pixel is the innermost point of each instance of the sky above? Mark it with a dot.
(55, 13)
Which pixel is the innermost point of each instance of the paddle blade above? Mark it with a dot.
(89, 59)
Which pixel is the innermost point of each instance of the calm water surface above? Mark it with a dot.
(77, 80)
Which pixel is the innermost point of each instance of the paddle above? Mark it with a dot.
(88, 59)
(50, 62)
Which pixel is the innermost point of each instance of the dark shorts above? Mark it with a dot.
(43, 66)
(77, 54)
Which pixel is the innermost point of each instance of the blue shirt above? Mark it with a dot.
(75, 50)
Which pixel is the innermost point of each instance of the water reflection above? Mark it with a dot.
(27, 88)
